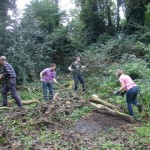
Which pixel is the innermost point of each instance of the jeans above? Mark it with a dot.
(77, 78)
(10, 86)
(131, 96)
(48, 86)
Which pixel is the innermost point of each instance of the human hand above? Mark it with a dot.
(84, 67)
(116, 92)
(123, 93)
(1, 76)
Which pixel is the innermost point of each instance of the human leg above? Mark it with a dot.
(75, 82)
(50, 86)
(134, 100)
(129, 97)
(13, 92)
(82, 82)
(5, 90)
(45, 91)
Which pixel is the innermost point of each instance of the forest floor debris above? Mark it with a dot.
(67, 123)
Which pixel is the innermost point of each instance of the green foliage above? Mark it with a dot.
(46, 12)
(5, 22)
(94, 22)
(147, 15)
(135, 14)
(39, 37)
(143, 131)
(110, 145)
(77, 114)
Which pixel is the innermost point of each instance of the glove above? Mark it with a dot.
(117, 92)
(123, 93)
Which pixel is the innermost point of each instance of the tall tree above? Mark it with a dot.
(39, 37)
(5, 6)
(135, 12)
(118, 13)
(93, 20)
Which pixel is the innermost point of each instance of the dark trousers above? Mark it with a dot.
(78, 78)
(10, 86)
(47, 86)
(131, 96)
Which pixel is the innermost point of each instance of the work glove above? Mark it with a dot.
(123, 93)
(117, 92)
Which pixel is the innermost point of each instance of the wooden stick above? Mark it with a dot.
(30, 102)
(6, 108)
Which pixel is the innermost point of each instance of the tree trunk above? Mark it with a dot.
(110, 109)
(118, 15)
(135, 15)
(95, 99)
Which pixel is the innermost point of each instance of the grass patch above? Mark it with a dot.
(111, 145)
(77, 114)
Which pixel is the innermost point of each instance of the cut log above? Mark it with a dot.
(6, 108)
(55, 96)
(113, 112)
(26, 102)
(30, 102)
(96, 99)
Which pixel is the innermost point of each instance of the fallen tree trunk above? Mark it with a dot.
(110, 111)
(95, 99)
(23, 102)
(5, 108)
(30, 102)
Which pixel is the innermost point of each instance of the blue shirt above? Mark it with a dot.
(8, 71)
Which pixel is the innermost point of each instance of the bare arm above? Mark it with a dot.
(1, 76)
(55, 81)
(70, 68)
(41, 75)
(122, 88)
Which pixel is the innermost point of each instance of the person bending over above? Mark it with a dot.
(9, 82)
(132, 91)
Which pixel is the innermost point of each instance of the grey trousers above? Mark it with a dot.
(10, 86)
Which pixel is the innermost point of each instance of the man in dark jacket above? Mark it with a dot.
(76, 68)
(9, 84)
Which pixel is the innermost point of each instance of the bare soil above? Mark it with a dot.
(99, 122)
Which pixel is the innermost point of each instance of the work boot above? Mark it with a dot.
(139, 107)
(20, 109)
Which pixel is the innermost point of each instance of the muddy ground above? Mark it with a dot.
(98, 122)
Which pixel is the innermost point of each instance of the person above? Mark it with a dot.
(9, 82)
(132, 91)
(76, 67)
(48, 76)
